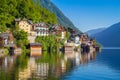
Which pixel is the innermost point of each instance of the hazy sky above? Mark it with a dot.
(90, 14)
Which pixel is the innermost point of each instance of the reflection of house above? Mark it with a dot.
(15, 50)
(35, 49)
(41, 29)
(84, 58)
(58, 30)
(24, 74)
(40, 70)
(6, 39)
(63, 66)
(77, 58)
(24, 25)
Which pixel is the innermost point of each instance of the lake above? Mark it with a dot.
(73, 66)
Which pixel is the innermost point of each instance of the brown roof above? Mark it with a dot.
(40, 24)
(4, 35)
(35, 44)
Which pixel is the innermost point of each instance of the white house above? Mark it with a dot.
(77, 39)
(41, 29)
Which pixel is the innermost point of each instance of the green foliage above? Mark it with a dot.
(62, 41)
(2, 29)
(99, 45)
(58, 35)
(21, 38)
(6, 52)
(48, 42)
(67, 35)
(11, 9)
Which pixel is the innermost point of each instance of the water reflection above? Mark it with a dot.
(46, 67)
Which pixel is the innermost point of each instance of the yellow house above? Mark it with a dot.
(24, 25)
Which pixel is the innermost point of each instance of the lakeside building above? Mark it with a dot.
(24, 24)
(6, 39)
(35, 49)
(84, 39)
(41, 29)
(58, 30)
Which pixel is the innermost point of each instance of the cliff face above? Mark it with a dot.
(62, 19)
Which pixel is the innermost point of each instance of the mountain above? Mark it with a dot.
(62, 19)
(94, 31)
(110, 36)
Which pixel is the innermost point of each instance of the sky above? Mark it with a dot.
(90, 14)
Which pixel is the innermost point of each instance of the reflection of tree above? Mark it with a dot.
(20, 64)
(49, 66)
(14, 66)
(54, 62)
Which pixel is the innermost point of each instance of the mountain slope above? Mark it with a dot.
(63, 20)
(110, 36)
(95, 31)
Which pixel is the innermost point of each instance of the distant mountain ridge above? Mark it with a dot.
(63, 20)
(94, 31)
(109, 37)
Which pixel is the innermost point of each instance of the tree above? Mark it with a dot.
(67, 34)
(48, 42)
(21, 38)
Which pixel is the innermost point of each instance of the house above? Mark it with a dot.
(74, 36)
(41, 29)
(6, 39)
(24, 24)
(35, 49)
(58, 30)
(77, 39)
(84, 39)
(68, 48)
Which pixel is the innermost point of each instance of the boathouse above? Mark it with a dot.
(35, 49)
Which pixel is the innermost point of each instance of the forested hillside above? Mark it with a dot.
(11, 9)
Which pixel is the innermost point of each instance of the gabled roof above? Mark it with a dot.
(57, 27)
(24, 19)
(17, 19)
(35, 44)
(40, 24)
(4, 35)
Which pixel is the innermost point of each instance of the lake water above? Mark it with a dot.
(73, 66)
